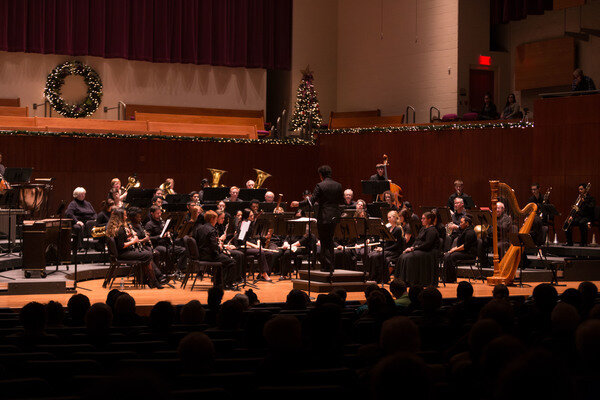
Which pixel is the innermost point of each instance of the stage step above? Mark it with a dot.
(529, 275)
(323, 287)
(339, 275)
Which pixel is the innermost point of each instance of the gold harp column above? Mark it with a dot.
(494, 189)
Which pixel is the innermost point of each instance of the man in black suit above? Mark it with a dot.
(328, 195)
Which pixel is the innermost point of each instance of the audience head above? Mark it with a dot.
(545, 297)
(112, 297)
(283, 334)
(325, 298)
(197, 352)
(78, 305)
(587, 343)
(33, 317)
(510, 99)
(405, 371)
(499, 353)
(482, 332)
(464, 291)
(55, 314)
(500, 292)
(342, 294)
(431, 299)
(572, 296)
(589, 294)
(414, 294)
(243, 299)
(230, 315)
(564, 318)
(98, 320)
(192, 313)
(124, 308)
(501, 312)
(252, 297)
(297, 300)
(399, 334)
(161, 316)
(398, 288)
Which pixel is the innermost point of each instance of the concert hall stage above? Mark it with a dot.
(62, 282)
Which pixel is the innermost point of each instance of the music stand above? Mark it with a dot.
(10, 199)
(270, 207)
(180, 198)
(252, 194)
(141, 198)
(375, 227)
(346, 229)
(375, 188)
(232, 207)
(18, 175)
(521, 240)
(297, 227)
(214, 195)
(374, 209)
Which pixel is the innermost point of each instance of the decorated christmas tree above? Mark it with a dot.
(307, 104)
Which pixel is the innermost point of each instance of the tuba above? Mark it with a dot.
(261, 177)
(216, 176)
(132, 181)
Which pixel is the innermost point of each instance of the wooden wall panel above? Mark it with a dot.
(532, 61)
(92, 163)
(560, 4)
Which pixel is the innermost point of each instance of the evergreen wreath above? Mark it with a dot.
(56, 80)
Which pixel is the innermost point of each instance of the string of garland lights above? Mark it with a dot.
(427, 128)
(108, 135)
(56, 80)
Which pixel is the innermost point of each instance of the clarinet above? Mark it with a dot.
(132, 234)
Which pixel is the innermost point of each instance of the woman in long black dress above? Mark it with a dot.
(393, 250)
(129, 245)
(417, 265)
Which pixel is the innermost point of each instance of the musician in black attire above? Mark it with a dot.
(204, 184)
(102, 219)
(128, 245)
(416, 266)
(294, 249)
(234, 192)
(466, 249)
(164, 245)
(458, 192)
(536, 196)
(209, 249)
(580, 217)
(348, 199)
(380, 175)
(393, 250)
(454, 226)
(328, 195)
(252, 248)
(135, 218)
(81, 212)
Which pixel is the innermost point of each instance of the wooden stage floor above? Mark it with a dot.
(266, 292)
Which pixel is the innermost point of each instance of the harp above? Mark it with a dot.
(505, 268)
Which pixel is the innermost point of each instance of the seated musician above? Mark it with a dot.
(388, 198)
(416, 266)
(203, 185)
(234, 192)
(505, 226)
(103, 216)
(415, 220)
(159, 193)
(380, 269)
(458, 192)
(115, 196)
(252, 248)
(195, 197)
(157, 201)
(404, 218)
(269, 197)
(454, 225)
(255, 206)
(250, 184)
(135, 218)
(349, 199)
(581, 217)
(294, 248)
(83, 216)
(165, 245)
(466, 249)
(307, 194)
(209, 250)
(115, 183)
(128, 247)
(361, 205)
(439, 225)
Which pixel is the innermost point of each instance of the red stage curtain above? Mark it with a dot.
(234, 33)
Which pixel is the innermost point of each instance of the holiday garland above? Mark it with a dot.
(427, 128)
(108, 135)
(56, 80)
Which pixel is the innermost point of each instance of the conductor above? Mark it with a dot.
(328, 195)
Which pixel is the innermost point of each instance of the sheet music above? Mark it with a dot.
(303, 219)
(244, 230)
(167, 223)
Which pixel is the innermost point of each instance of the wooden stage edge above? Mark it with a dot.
(266, 292)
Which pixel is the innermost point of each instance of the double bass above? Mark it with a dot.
(396, 190)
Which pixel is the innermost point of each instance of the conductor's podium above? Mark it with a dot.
(322, 282)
